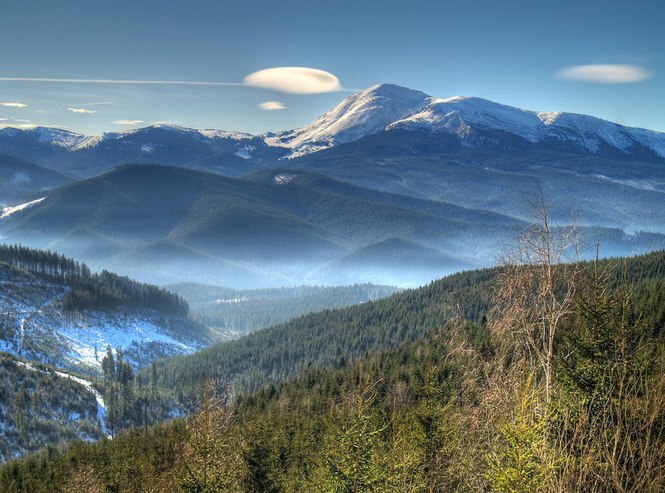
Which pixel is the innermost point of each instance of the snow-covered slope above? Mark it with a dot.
(34, 325)
(460, 115)
(362, 114)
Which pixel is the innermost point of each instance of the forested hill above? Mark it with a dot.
(333, 337)
(248, 310)
(461, 408)
(102, 291)
(55, 311)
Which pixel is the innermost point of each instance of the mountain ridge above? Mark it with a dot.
(380, 108)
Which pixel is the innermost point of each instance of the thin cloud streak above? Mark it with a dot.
(14, 105)
(120, 81)
(127, 122)
(81, 110)
(101, 103)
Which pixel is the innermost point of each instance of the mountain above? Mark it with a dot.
(21, 181)
(325, 338)
(392, 395)
(170, 224)
(391, 260)
(469, 123)
(54, 311)
(362, 114)
(229, 153)
(454, 175)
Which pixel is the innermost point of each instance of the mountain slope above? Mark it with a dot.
(52, 310)
(148, 219)
(21, 181)
(232, 153)
(362, 114)
(324, 339)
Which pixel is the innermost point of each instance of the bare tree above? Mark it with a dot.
(537, 286)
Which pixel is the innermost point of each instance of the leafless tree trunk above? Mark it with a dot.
(536, 288)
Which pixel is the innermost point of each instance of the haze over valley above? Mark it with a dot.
(359, 247)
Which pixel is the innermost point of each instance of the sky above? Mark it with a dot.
(603, 58)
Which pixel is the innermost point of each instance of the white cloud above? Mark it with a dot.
(101, 103)
(294, 80)
(605, 74)
(271, 106)
(21, 120)
(27, 125)
(127, 122)
(81, 110)
(14, 105)
(4, 119)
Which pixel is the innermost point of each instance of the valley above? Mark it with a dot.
(362, 303)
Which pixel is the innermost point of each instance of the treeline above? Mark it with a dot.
(99, 291)
(462, 408)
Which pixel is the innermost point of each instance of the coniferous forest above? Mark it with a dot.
(539, 376)
(101, 291)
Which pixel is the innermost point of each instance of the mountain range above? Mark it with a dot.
(389, 183)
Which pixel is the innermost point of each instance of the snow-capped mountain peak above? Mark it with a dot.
(459, 114)
(359, 115)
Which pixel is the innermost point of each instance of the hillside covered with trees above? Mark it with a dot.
(102, 291)
(468, 405)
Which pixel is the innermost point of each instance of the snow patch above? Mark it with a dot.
(8, 211)
(282, 178)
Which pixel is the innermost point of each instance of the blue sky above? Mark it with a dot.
(512, 52)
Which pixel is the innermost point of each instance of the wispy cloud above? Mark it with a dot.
(100, 103)
(118, 81)
(4, 119)
(27, 125)
(14, 105)
(271, 105)
(294, 80)
(605, 74)
(21, 120)
(127, 122)
(81, 110)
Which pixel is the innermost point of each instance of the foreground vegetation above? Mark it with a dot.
(485, 405)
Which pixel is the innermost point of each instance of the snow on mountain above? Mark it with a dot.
(458, 115)
(58, 137)
(34, 325)
(381, 107)
(8, 211)
(362, 114)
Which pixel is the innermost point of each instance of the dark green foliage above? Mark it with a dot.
(246, 311)
(103, 291)
(328, 337)
(324, 339)
(412, 432)
(38, 407)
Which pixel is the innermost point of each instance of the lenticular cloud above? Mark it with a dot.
(294, 80)
(605, 74)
